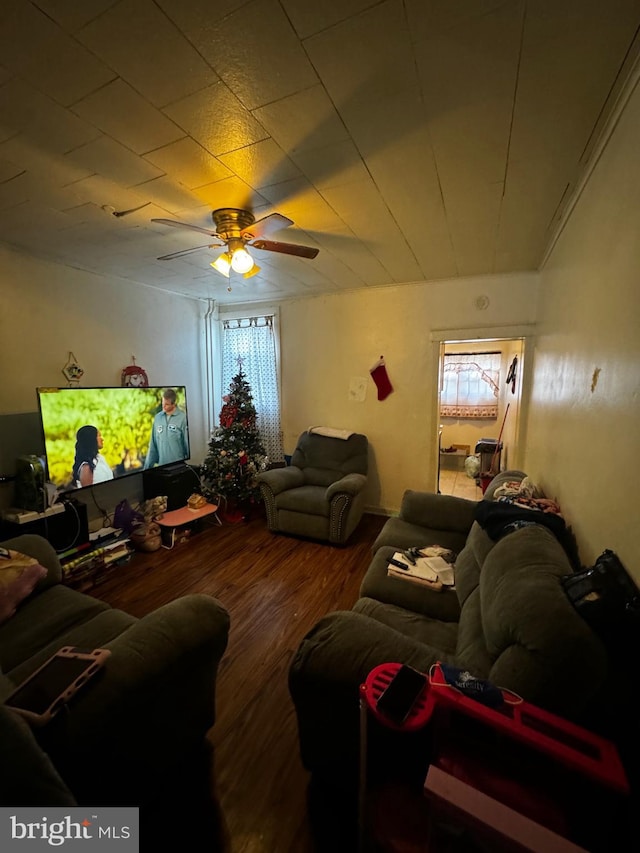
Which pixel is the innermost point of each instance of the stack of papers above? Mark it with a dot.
(432, 570)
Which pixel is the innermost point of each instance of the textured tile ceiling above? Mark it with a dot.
(408, 140)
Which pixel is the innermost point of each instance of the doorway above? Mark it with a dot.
(461, 429)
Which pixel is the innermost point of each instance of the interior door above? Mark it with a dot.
(463, 432)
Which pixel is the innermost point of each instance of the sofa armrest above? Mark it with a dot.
(350, 484)
(191, 629)
(281, 479)
(438, 512)
(154, 699)
(28, 777)
(324, 678)
(38, 547)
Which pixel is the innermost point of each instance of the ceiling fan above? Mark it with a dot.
(238, 229)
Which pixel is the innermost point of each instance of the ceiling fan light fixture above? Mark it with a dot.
(241, 260)
(222, 264)
(255, 269)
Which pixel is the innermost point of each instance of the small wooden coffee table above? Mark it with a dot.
(172, 521)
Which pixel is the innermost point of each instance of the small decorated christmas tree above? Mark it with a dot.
(236, 454)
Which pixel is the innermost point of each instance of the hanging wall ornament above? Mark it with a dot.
(379, 375)
(134, 376)
(513, 374)
(72, 370)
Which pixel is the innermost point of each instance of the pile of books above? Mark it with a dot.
(88, 565)
(433, 567)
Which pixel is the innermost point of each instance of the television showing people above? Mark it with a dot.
(169, 436)
(89, 465)
(92, 435)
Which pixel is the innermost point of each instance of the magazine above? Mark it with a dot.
(435, 566)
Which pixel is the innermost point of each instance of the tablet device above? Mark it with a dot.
(51, 686)
(401, 693)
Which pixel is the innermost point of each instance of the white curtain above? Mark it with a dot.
(470, 385)
(250, 344)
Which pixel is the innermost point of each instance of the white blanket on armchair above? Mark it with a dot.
(331, 432)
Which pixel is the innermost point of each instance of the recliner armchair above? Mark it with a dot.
(320, 495)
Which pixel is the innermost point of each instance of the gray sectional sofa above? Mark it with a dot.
(508, 620)
(125, 735)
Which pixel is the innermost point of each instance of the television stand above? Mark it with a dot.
(15, 515)
(63, 525)
(176, 481)
(174, 467)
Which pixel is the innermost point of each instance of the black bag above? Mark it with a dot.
(604, 595)
(125, 517)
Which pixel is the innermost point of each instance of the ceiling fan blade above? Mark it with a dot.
(176, 224)
(285, 248)
(187, 251)
(272, 222)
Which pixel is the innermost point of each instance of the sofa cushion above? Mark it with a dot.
(95, 633)
(442, 512)
(42, 551)
(19, 575)
(540, 646)
(508, 476)
(305, 499)
(402, 535)
(432, 632)
(470, 561)
(320, 476)
(49, 618)
(319, 452)
(471, 649)
(378, 584)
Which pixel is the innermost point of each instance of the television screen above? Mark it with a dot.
(92, 435)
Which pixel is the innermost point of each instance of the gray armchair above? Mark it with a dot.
(321, 494)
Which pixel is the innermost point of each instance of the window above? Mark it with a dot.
(250, 344)
(470, 385)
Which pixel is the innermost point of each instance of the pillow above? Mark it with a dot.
(19, 574)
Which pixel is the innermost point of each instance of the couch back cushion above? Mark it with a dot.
(536, 643)
(19, 574)
(478, 544)
(508, 476)
(470, 560)
(324, 459)
(38, 547)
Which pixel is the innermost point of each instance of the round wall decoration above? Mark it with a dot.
(133, 376)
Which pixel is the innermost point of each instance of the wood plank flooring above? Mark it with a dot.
(275, 588)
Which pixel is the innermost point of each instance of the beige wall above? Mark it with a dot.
(327, 341)
(46, 311)
(584, 426)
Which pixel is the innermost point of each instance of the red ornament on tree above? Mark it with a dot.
(228, 415)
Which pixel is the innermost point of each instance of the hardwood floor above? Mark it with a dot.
(275, 588)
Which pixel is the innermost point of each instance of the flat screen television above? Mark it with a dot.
(92, 435)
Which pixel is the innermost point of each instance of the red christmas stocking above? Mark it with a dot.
(379, 375)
